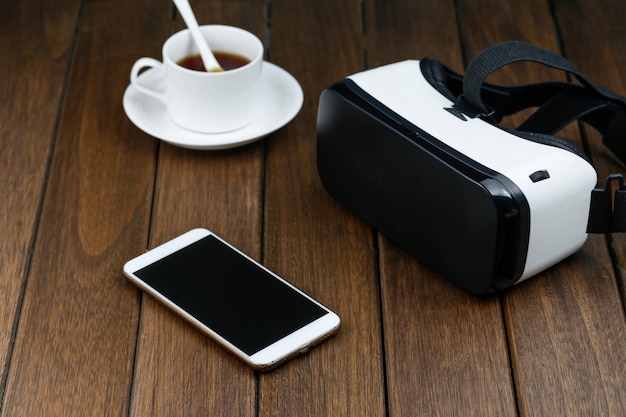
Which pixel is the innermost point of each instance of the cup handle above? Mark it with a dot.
(140, 64)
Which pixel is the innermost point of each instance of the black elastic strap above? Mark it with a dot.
(606, 116)
(608, 210)
(499, 55)
(559, 103)
(504, 101)
(603, 109)
(562, 109)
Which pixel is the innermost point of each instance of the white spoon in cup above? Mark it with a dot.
(208, 59)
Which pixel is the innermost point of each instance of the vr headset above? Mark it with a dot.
(417, 151)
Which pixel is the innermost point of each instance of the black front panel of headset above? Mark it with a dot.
(405, 185)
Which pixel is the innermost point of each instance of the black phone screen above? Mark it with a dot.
(230, 294)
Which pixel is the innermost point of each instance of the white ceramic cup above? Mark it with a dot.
(207, 102)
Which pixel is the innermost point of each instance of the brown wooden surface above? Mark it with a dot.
(84, 190)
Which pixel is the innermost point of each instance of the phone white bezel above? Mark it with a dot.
(268, 358)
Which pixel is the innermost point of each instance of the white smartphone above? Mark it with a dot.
(227, 295)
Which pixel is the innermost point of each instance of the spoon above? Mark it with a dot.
(208, 59)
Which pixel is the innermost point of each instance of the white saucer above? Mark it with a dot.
(282, 100)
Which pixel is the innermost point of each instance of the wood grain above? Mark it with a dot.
(85, 190)
(567, 338)
(28, 110)
(594, 38)
(219, 191)
(559, 316)
(180, 372)
(435, 363)
(312, 241)
(77, 330)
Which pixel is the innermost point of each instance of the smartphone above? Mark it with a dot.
(242, 305)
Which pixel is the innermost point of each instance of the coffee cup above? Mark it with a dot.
(207, 102)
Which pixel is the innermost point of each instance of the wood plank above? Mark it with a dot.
(75, 343)
(180, 372)
(310, 239)
(594, 364)
(598, 48)
(220, 191)
(77, 340)
(570, 316)
(435, 363)
(406, 30)
(29, 107)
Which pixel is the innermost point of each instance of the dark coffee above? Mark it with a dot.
(226, 60)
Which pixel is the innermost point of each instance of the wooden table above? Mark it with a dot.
(83, 190)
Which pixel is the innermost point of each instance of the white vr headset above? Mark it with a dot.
(417, 152)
